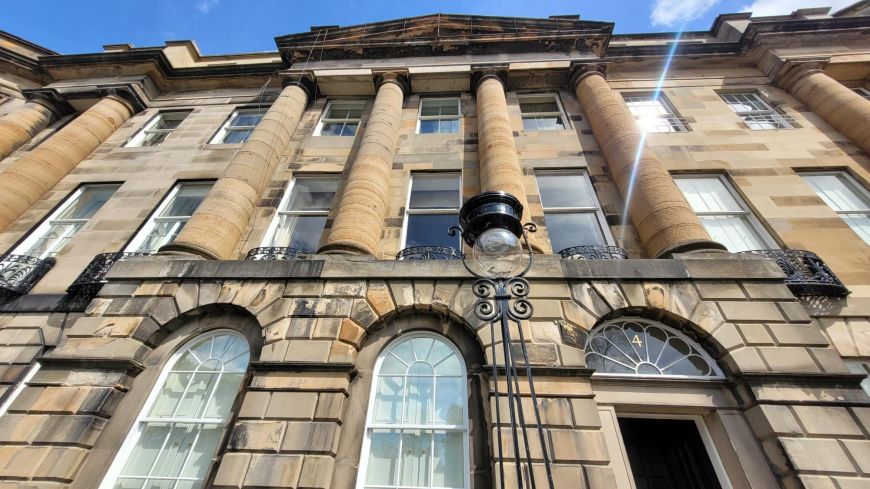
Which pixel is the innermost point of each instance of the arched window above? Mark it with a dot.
(636, 346)
(417, 430)
(177, 433)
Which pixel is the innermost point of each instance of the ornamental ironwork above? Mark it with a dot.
(19, 273)
(93, 277)
(805, 273)
(272, 253)
(429, 253)
(594, 252)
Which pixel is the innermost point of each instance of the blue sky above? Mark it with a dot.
(233, 26)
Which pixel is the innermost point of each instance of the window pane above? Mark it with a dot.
(152, 138)
(388, 399)
(416, 456)
(860, 223)
(439, 107)
(542, 123)
(430, 126)
(236, 136)
(247, 118)
(188, 198)
(435, 191)
(544, 105)
(419, 401)
(169, 120)
(448, 400)
(88, 202)
(339, 129)
(708, 195)
(645, 105)
(744, 102)
(447, 458)
(564, 190)
(836, 193)
(732, 231)
(383, 458)
(574, 229)
(300, 232)
(311, 194)
(431, 230)
(174, 388)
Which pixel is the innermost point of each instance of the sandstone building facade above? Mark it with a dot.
(233, 271)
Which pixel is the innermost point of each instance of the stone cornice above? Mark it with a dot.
(50, 98)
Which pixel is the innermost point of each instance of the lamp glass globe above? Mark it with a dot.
(497, 253)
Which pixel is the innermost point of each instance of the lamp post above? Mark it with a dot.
(500, 256)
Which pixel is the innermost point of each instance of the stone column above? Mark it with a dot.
(20, 125)
(663, 219)
(499, 163)
(27, 179)
(215, 228)
(360, 218)
(838, 105)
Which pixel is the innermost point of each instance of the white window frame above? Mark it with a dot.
(273, 226)
(862, 92)
(148, 129)
(850, 183)
(596, 209)
(19, 387)
(38, 233)
(555, 96)
(745, 212)
(369, 425)
(706, 439)
(135, 431)
(672, 118)
(228, 127)
(457, 117)
(765, 117)
(860, 366)
(361, 104)
(439, 211)
(155, 217)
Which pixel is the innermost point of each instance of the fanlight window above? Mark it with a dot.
(416, 430)
(639, 347)
(179, 429)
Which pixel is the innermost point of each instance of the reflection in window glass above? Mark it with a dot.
(340, 119)
(653, 112)
(416, 431)
(239, 126)
(164, 225)
(756, 113)
(55, 232)
(571, 210)
(156, 130)
(846, 197)
(439, 116)
(541, 113)
(726, 219)
(178, 432)
(433, 207)
(302, 215)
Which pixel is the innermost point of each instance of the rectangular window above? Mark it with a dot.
(756, 113)
(723, 213)
(239, 126)
(846, 197)
(571, 210)
(170, 217)
(860, 366)
(55, 232)
(433, 206)
(654, 113)
(302, 214)
(340, 118)
(542, 112)
(438, 115)
(862, 92)
(156, 130)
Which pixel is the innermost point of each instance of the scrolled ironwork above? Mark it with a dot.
(806, 274)
(594, 252)
(19, 273)
(273, 253)
(93, 276)
(429, 253)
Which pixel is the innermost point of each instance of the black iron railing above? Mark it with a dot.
(429, 253)
(805, 273)
(594, 252)
(19, 273)
(271, 253)
(93, 276)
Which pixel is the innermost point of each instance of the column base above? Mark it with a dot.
(694, 246)
(186, 249)
(344, 248)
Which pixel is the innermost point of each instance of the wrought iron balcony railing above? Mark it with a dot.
(429, 253)
(594, 252)
(805, 273)
(271, 253)
(19, 273)
(92, 278)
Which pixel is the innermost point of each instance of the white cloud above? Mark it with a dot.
(205, 6)
(784, 7)
(672, 13)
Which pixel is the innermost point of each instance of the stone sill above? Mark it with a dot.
(714, 266)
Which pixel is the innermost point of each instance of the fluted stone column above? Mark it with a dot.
(660, 213)
(359, 220)
(499, 163)
(27, 179)
(20, 125)
(215, 228)
(838, 105)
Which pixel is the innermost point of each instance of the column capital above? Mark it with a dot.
(579, 71)
(481, 73)
(400, 79)
(792, 70)
(301, 79)
(50, 99)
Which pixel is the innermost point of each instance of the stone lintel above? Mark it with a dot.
(348, 368)
(802, 379)
(128, 365)
(544, 371)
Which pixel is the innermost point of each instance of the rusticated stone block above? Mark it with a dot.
(362, 313)
(336, 288)
(21, 462)
(61, 463)
(827, 420)
(351, 333)
(809, 454)
(20, 428)
(578, 446)
(267, 470)
(81, 430)
(257, 435)
(231, 470)
(750, 311)
(292, 405)
(316, 472)
(311, 437)
(329, 407)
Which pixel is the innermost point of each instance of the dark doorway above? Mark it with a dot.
(667, 454)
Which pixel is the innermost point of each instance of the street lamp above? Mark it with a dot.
(500, 256)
